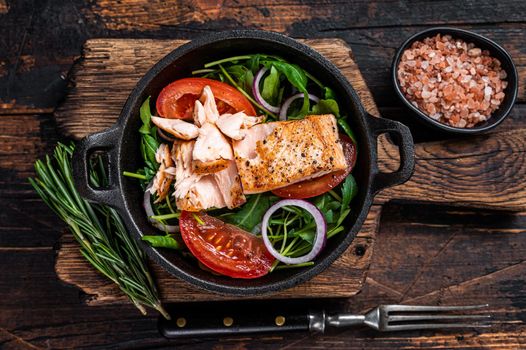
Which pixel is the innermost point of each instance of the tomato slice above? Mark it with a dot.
(177, 99)
(224, 248)
(322, 184)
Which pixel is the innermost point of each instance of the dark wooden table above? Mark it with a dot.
(424, 253)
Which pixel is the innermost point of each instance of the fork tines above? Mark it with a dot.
(409, 317)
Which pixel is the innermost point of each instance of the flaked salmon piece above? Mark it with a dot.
(236, 125)
(193, 192)
(205, 109)
(274, 155)
(204, 194)
(164, 176)
(230, 184)
(212, 151)
(177, 127)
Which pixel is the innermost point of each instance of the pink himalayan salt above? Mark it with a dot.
(452, 81)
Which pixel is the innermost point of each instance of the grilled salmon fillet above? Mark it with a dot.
(274, 155)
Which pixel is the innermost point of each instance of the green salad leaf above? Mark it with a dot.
(167, 241)
(296, 77)
(328, 93)
(149, 141)
(251, 213)
(270, 89)
(349, 191)
(326, 107)
(345, 126)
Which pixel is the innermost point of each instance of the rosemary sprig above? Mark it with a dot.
(103, 238)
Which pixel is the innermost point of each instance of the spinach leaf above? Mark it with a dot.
(251, 213)
(162, 241)
(150, 146)
(327, 107)
(237, 71)
(270, 89)
(145, 113)
(149, 139)
(253, 63)
(247, 81)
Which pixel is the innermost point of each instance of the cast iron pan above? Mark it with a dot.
(121, 143)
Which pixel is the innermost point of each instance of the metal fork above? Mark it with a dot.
(386, 318)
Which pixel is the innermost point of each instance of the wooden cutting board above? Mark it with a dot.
(485, 171)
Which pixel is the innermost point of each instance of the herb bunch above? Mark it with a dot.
(99, 230)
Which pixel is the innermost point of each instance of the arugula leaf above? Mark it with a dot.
(321, 201)
(342, 216)
(251, 213)
(296, 77)
(308, 235)
(162, 241)
(327, 107)
(329, 216)
(343, 124)
(349, 191)
(328, 93)
(270, 89)
(333, 205)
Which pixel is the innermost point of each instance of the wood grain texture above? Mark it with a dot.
(106, 73)
(483, 261)
(485, 171)
(279, 15)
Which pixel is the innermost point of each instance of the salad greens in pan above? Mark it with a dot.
(247, 165)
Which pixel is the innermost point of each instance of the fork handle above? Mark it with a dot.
(344, 320)
(228, 318)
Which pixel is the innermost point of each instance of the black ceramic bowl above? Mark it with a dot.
(485, 44)
(121, 143)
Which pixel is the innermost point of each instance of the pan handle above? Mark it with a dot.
(104, 142)
(401, 135)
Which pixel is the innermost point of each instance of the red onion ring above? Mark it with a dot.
(149, 213)
(257, 93)
(321, 231)
(286, 104)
